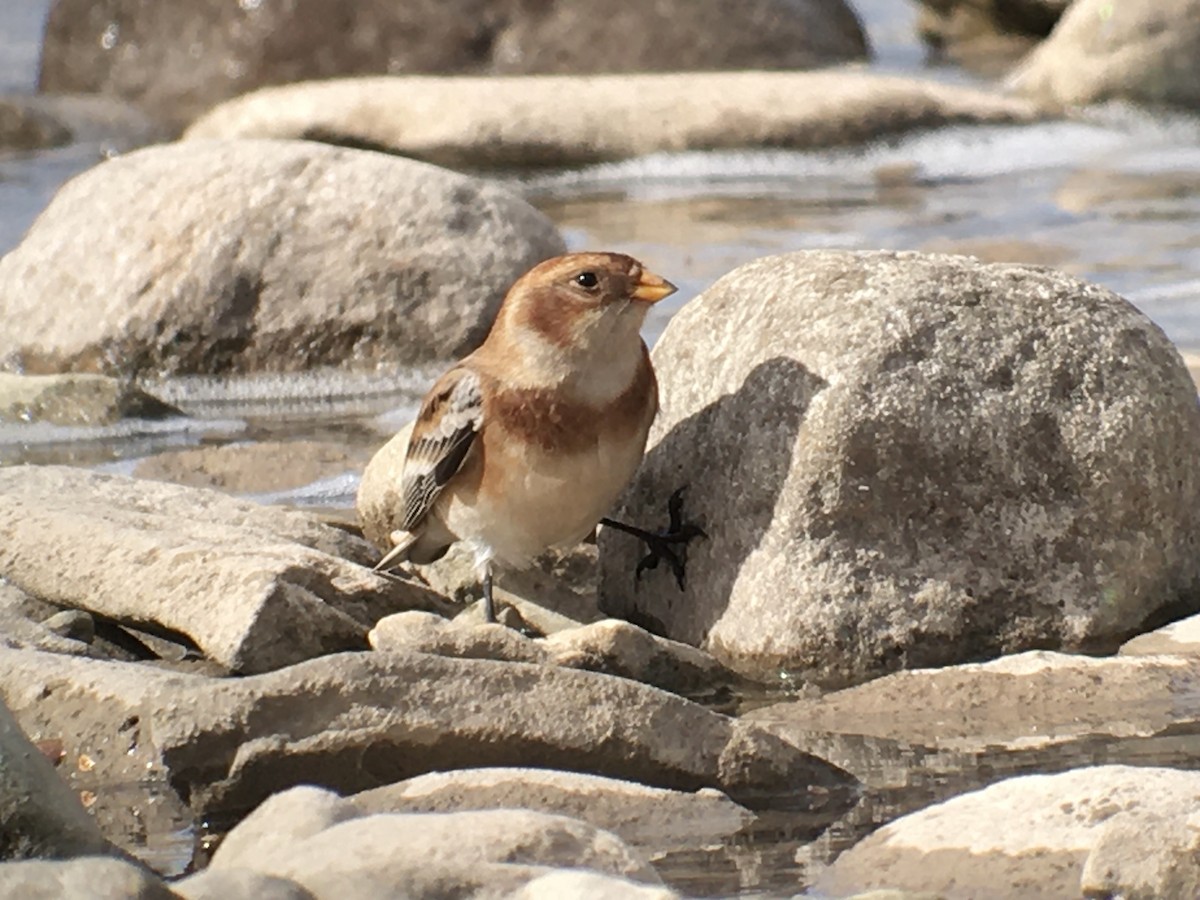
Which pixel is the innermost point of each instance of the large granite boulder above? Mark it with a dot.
(905, 460)
(242, 256)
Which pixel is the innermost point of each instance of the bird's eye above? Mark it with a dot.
(587, 280)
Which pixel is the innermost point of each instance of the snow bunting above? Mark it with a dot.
(527, 442)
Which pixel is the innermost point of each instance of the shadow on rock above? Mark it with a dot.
(746, 440)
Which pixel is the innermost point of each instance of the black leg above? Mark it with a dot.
(489, 606)
(661, 544)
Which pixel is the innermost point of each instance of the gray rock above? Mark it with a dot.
(22, 623)
(588, 886)
(906, 460)
(1034, 837)
(75, 399)
(41, 121)
(269, 835)
(39, 815)
(81, 879)
(1147, 51)
(235, 256)
(239, 884)
(485, 122)
(355, 721)
(177, 58)
(255, 588)
(654, 819)
(428, 633)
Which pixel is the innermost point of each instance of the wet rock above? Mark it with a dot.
(398, 851)
(986, 36)
(39, 816)
(906, 460)
(236, 884)
(1146, 52)
(235, 256)
(650, 818)
(82, 879)
(1125, 194)
(76, 399)
(590, 885)
(255, 588)
(254, 468)
(177, 58)
(1067, 824)
(484, 122)
(1180, 638)
(355, 721)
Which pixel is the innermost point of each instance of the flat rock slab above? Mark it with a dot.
(316, 839)
(255, 588)
(356, 721)
(223, 257)
(1180, 638)
(536, 121)
(1041, 836)
(905, 460)
(651, 818)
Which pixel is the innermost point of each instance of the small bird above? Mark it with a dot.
(527, 442)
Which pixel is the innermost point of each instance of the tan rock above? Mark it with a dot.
(82, 879)
(255, 588)
(1146, 51)
(906, 460)
(1180, 638)
(484, 122)
(235, 256)
(1034, 837)
(986, 36)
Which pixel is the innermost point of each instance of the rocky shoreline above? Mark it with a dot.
(939, 641)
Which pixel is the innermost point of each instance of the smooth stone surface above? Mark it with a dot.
(76, 399)
(483, 122)
(256, 588)
(423, 632)
(651, 818)
(1032, 837)
(177, 57)
(261, 467)
(1146, 51)
(39, 815)
(355, 721)
(225, 257)
(81, 879)
(905, 460)
(1180, 638)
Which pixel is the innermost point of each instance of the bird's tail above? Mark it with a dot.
(402, 542)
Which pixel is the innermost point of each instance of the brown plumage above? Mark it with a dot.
(527, 442)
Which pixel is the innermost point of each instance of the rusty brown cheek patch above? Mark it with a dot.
(553, 318)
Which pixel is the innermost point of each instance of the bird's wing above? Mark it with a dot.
(443, 434)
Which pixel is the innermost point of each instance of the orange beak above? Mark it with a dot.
(651, 288)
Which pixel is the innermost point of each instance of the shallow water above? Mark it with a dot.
(1113, 198)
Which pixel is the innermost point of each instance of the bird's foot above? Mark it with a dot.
(669, 544)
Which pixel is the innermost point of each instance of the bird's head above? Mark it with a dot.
(583, 300)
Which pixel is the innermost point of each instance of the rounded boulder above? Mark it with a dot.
(904, 460)
(229, 257)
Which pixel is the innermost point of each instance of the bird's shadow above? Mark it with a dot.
(734, 456)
